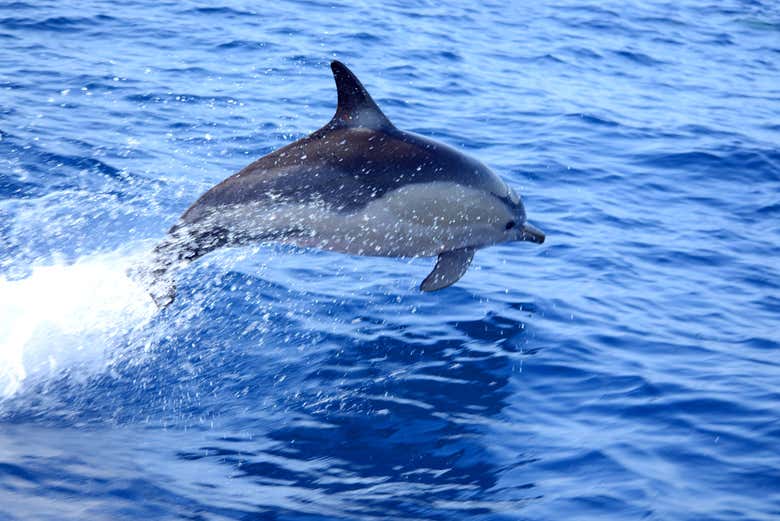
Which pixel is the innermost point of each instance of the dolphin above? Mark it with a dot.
(358, 185)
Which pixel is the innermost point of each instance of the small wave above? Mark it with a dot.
(171, 97)
(16, 6)
(756, 164)
(36, 170)
(594, 120)
(228, 12)
(248, 45)
(366, 37)
(638, 57)
(56, 24)
(584, 52)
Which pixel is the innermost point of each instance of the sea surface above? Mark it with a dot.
(629, 368)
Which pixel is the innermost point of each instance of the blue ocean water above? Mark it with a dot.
(626, 369)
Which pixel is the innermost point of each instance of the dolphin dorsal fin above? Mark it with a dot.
(355, 106)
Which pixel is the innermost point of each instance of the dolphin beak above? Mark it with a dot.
(532, 233)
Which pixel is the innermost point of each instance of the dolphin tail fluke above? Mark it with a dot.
(162, 289)
(158, 280)
(163, 295)
(177, 250)
(450, 267)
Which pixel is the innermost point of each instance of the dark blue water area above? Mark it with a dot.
(629, 368)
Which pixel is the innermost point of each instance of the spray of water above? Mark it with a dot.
(68, 318)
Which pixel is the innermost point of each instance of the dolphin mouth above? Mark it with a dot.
(532, 234)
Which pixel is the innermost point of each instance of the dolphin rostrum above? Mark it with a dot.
(358, 185)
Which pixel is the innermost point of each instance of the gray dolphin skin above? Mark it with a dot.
(359, 186)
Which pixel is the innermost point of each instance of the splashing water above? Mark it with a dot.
(67, 318)
(628, 368)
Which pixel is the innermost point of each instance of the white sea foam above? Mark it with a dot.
(67, 318)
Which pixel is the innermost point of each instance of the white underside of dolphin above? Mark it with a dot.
(357, 186)
(423, 220)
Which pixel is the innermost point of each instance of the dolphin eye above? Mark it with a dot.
(510, 225)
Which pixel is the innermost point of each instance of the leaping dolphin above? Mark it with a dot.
(358, 185)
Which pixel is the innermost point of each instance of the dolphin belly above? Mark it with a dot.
(420, 220)
(424, 220)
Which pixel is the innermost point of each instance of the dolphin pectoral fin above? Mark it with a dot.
(450, 267)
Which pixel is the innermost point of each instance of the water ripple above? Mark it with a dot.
(626, 369)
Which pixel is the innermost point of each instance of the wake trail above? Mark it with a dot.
(68, 318)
